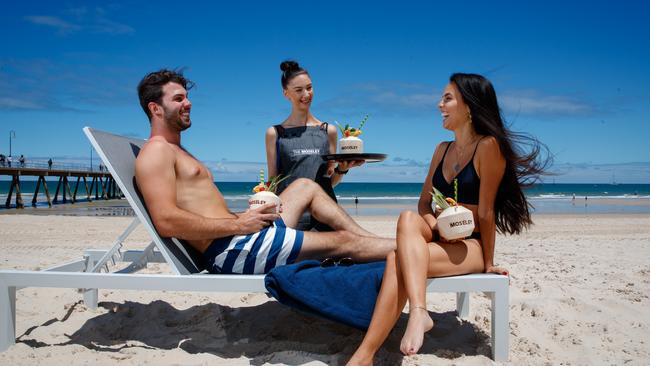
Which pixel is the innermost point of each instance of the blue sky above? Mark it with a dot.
(573, 75)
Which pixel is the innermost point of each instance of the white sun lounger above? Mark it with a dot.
(118, 154)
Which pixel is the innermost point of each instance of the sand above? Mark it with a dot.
(578, 296)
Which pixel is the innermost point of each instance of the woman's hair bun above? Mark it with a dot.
(289, 65)
(290, 69)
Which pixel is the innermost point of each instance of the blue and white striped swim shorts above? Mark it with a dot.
(257, 253)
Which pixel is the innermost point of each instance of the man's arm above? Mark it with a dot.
(156, 178)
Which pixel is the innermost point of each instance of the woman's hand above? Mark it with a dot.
(330, 168)
(346, 165)
(497, 270)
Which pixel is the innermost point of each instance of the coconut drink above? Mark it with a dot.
(455, 221)
(351, 143)
(265, 192)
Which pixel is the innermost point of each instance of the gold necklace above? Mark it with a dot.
(459, 156)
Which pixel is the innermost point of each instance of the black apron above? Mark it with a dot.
(298, 154)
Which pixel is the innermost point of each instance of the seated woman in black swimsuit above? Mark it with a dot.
(486, 160)
(467, 179)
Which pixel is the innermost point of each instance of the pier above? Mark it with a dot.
(101, 182)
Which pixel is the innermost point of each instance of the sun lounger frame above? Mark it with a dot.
(86, 274)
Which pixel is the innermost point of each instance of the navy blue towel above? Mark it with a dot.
(343, 294)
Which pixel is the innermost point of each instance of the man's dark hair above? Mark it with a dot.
(150, 87)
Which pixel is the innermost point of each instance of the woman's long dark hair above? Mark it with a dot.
(522, 152)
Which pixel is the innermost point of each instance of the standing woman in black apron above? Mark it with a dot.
(295, 146)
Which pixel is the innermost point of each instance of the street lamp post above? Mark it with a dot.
(91, 158)
(12, 134)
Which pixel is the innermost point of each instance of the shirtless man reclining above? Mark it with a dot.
(184, 202)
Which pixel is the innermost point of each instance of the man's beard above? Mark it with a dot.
(174, 120)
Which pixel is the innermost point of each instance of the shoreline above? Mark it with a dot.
(120, 207)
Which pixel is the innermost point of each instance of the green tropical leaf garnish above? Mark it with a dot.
(439, 198)
(273, 182)
(352, 131)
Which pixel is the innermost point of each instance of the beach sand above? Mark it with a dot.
(578, 296)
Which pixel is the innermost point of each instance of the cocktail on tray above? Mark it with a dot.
(351, 146)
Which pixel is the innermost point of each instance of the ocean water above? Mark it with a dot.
(391, 198)
(383, 198)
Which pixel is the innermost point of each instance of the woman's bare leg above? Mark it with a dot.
(443, 259)
(437, 259)
(412, 237)
(413, 234)
(452, 259)
(388, 308)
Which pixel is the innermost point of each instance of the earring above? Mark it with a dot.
(469, 117)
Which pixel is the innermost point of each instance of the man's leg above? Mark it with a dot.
(349, 239)
(341, 243)
(305, 195)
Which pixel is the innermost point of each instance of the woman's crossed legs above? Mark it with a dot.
(407, 269)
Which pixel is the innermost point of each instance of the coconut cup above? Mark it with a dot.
(351, 145)
(455, 222)
(262, 198)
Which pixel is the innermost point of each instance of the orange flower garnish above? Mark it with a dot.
(269, 186)
(348, 131)
(260, 188)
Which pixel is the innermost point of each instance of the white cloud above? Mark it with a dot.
(399, 98)
(40, 84)
(395, 170)
(16, 103)
(534, 103)
(235, 171)
(623, 173)
(408, 170)
(399, 161)
(93, 21)
(52, 21)
(106, 26)
(386, 98)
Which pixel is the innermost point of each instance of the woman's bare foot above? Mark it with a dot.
(419, 323)
(359, 360)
